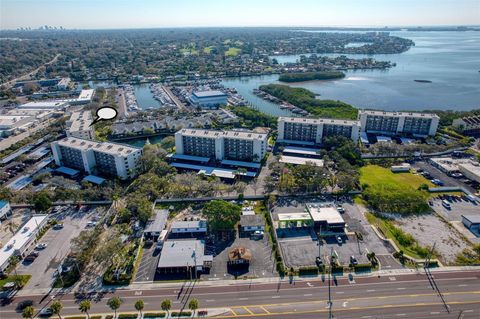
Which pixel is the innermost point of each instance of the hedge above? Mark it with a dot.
(181, 314)
(79, 317)
(362, 267)
(127, 316)
(154, 315)
(308, 271)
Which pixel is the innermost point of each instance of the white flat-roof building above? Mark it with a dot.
(22, 239)
(309, 130)
(183, 256)
(104, 158)
(209, 99)
(326, 217)
(220, 145)
(50, 105)
(295, 160)
(79, 125)
(396, 123)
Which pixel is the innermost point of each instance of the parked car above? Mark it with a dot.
(446, 204)
(58, 226)
(339, 240)
(41, 246)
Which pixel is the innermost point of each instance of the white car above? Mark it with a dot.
(41, 246)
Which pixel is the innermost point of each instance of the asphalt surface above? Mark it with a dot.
(387, 296)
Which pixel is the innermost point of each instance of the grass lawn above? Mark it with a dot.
(23, 279)
(233, 52)
(373, 174)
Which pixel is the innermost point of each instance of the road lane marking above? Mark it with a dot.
(371, 290)
(464, 285)
(434, 313)
(307, 295)
(339, 292)
(248, 310)
(276, 296)
(401, 288)
(210, 300)
(243, 298)
(263, 308)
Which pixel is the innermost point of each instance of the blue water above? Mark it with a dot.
(451, 60)
(144, 97)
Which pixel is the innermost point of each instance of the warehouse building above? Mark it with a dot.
(221, 145)
(189, 229)
(209, 99)
(397, 123)
(472, 222)
(309, 131)
(104, 158)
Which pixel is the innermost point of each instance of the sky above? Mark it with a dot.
(110, 14)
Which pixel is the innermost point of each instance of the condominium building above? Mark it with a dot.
(394, 123)
(79, 125)
(298, 130)
(220, 145)
(101, 158)
(468, 125)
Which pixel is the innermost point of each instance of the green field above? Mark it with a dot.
(233, 52)
(373, 174)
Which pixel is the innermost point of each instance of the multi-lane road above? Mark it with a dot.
(388, 296)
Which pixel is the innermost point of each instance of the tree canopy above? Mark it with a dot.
(221, 215)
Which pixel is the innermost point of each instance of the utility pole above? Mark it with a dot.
(330, 303)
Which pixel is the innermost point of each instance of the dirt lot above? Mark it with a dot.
(428, 229)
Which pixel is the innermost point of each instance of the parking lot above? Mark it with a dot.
(261, 265)
(148, 265)
(438, 174)
(58, 246)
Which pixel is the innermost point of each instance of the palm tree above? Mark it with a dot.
(114, 303)
(84, 306)
(56, 307)
(139, 305)
(166, 306)
(28, 312)
(193, 305)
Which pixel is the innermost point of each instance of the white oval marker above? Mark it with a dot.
(105, 113)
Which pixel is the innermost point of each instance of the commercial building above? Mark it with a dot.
(468, 125)
(326, 218)
(469, 168)
(397, 123)
(252, 223)
(184, 256)
(79, 125)
(193, 228)
(221, 145)
(294, 220)
(208, 99)
(104, 158)
(19, 120)
(22, 240)
(5, 210)
(309, 131)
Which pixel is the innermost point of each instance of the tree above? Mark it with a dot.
(193, 305)
(56, 307)
(139, 305)
(84, 307)
(28, 312)
(166, 305)
(114, 303)
(222, 215)
(41, 201)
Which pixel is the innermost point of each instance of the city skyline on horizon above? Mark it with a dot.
(143, 14)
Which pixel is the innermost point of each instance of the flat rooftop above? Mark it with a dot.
(470, 167)
(80, 121)
(293, 216)
(327, 214)
(159, 222)
(21, 237)
(212, 93)
(183, 253)
(301, 150)
(44, 104)
(397, 114)
(300, 160)
(305, 120)
(189, 224)
(474, 219)
(104, 147)
(226, 134)
(209, 170)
